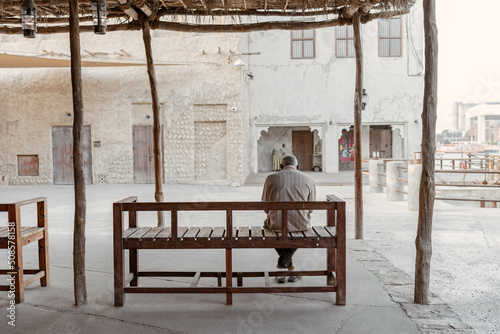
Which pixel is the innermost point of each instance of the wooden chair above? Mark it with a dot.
(15, 236)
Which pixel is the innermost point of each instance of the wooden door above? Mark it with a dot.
(302, 148)
(62, 154)
(346, 150)
(381, 141)
(144, 171)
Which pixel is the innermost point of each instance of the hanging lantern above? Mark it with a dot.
(28, 17)
(364, 99)
(99, 16)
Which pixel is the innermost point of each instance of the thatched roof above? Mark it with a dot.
(203, 15)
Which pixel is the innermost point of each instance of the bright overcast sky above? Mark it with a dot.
(469, 54)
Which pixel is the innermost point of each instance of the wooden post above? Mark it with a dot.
(358, 173)
(158, 156)
(80, 287)
(423, 241)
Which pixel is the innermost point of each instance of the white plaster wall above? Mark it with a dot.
(321, 90)
(197, 72)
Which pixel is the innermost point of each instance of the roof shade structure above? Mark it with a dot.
(205, 15)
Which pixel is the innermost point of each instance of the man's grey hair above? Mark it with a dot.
(289, 160)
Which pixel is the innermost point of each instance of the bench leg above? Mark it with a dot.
(229, 275)
(330, 266)
(19, 277)
(341, 277)
(133, 264)
(43, 244)
(119, 277)
(43, 258)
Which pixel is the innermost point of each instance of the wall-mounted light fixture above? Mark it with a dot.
(147, 117)
(364, 99)
(239, 63)
(28, 17)
(99, 16)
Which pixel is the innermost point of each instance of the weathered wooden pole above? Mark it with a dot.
(80, 286)
(158, 156)
(423, 241)
(358, 173)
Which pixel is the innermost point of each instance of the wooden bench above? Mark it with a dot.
(15, 236)
(176, 236)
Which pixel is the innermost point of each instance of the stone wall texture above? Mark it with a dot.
(197, 82)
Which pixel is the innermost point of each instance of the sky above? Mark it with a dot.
(469, 54)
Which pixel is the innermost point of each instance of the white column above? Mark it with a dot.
(481, 129)
(375, 179)
(392, 184)
(414, 174)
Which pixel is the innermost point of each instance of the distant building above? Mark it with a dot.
(482, 122)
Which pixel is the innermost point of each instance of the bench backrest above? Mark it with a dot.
(335, 208)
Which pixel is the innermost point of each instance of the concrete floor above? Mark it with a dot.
(380, 272)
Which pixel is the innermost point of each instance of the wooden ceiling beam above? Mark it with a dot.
(370, 4)
(187, 4)
(229, 28)
(353, 8)
(206, 5)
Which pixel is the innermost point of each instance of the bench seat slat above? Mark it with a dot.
(310, 234)
(129, 232)
(320, 230)
(332, 230)
(29, 231)
(297, 235)
(3, 232)
(139, 233)
(152, 233)
(268, 234)
(191, 233)
(256, 232)
(244, 232)
(204, 233)
(218, 233)
(26, 231)
(165, 233)
(181, 231)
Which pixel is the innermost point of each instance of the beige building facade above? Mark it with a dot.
(201, 111)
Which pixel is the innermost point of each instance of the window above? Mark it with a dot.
(303, 44)
(389, 37)
(27, 165)
(344, 42)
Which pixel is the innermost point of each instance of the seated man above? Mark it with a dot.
(288, 185)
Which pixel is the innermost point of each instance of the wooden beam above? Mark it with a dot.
(365, 9)
(206, 5)
(423, 241)
(158, 154)
(186, 4)
(217, 28)
(80, 285)
(358, 172)
(353, 8)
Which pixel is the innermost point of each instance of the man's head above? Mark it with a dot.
(289, 160)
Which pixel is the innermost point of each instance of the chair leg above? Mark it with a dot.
(43, 258)
(19, 277)
(133, 265)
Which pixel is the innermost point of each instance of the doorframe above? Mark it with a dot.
(259, 127)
